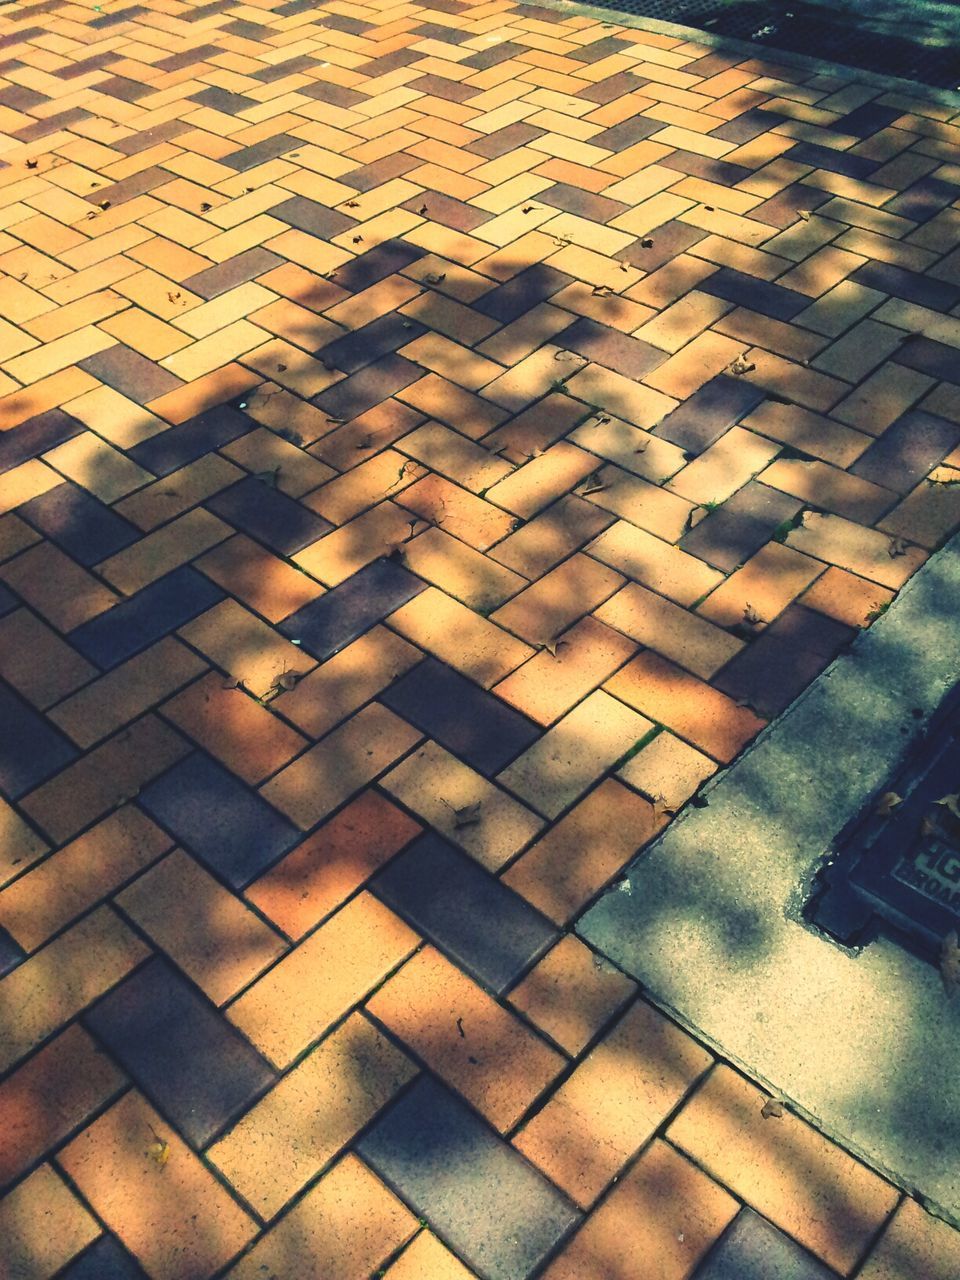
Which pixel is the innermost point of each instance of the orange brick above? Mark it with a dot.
(176, 1219)
(664, 1209)
(204, 393)
(49, 1096)
(56, 586)
(537, 483)
(58, 982)
(571, 993)
(455, 634)
(427, 1259)
(457, 511)
(347, 1225)
(126, 692)
(449, 403)
(109, 775)
(496, 1063)
(612, 1104)
(262, 581)
(435, 785)
(929, 512)
(20, 846)
(668, 771)
(207, 931)
(564, 594)
(27, 481)
(386, 474)
(865, 552)
(245, 647)
(914, 1244)
(705, 717)
(323, 871)
(338, 555)
(82, 873)
(343, 763)
(317, 983)
(802, 1182)
(585, 849)
(766, 584)
(659, 511)
(233, 727)
(295, 472)
(654, 563)
(313, 1112)
(41, 666)
(675, 633)
(43, 1225)
(551, 683)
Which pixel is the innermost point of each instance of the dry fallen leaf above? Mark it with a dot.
(742, 365)
(751, 617)
(951, 804)
(159, 1150)
(551, 646)
(887, 803)
(950, 962)
(435, 277)
(805, 214)
(467, 816)
(287, 679)
(772, 1109)
(592, 484)
(897, 547)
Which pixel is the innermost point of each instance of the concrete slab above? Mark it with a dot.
(708, 918)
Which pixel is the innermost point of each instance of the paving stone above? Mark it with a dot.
(665, 1210)
(36, 436)
(467, 720)
(365, 389)
(104, 1260)
(186, 1222)
(731, 534)
(512, 299)
(327, 625)
(177, 446)
(475, 919)
(752, 1249)
(10, 953)
(900, 283)
(179, 1050)
(311, 988)
(83, 527)
(771, 300)
(908, 450)
(499, 1214)
(781, 662)
(260, 510)
(702, 419)
(31, 749)
(833, 1212)
(228, 827)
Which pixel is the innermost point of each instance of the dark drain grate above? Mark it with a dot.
(898, 865)
(812, 30)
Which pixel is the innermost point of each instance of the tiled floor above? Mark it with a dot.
(434, 438)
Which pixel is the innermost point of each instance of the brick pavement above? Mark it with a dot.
(434, 438)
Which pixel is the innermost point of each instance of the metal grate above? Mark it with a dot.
(811, 30)
(897, 866)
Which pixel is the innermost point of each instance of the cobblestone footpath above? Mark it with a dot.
(434, 439)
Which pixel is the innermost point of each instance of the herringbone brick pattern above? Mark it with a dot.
(434, 438)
